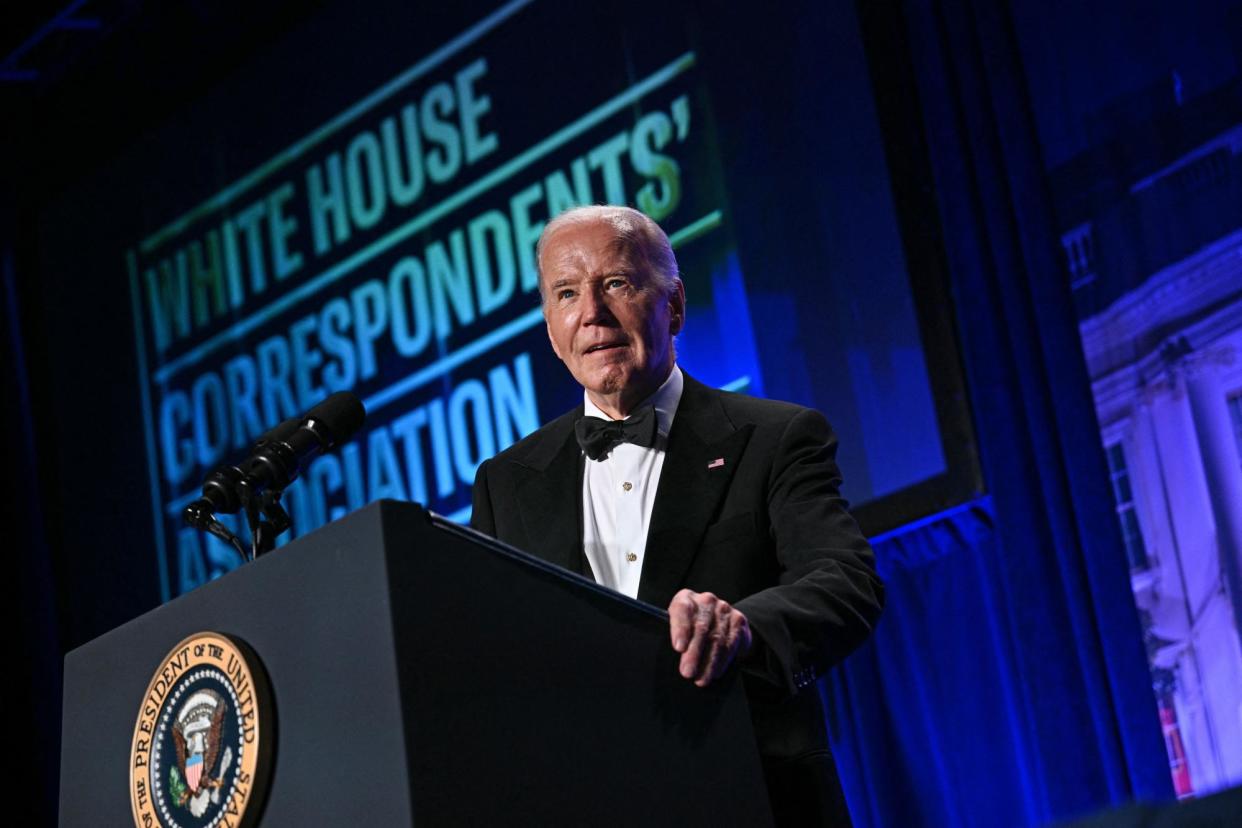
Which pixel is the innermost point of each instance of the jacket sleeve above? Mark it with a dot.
(482, 519)
(829, 596)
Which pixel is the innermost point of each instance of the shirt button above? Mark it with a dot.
(626, 486)
(631, 557)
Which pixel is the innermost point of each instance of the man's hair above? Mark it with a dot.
(634, 229)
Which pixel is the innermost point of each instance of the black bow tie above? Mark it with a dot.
(597, 436)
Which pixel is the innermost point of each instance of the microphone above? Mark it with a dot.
(220, 487)
(277, 462)
(257, 484)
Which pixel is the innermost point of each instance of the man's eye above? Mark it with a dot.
(614, 283)
(565, 293)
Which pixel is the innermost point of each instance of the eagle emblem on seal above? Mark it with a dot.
(194, 782)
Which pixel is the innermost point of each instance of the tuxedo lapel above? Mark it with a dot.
(702, 454)
(550, 499)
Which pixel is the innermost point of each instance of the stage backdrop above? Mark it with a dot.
(357, 208)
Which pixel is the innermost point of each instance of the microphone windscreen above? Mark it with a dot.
(341, 414)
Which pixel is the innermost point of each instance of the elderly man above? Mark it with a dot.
(722, 507)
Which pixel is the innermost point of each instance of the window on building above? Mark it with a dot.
(1123, 497)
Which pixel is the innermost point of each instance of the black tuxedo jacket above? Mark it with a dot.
(766, 529)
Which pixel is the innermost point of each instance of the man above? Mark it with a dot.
(722, 507)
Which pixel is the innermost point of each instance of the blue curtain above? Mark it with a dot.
(927, 726)
(976, 703)
(1006, 683)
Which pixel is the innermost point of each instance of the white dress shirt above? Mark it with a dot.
(618, 494)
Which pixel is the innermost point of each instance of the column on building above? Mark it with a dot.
(1188, 578)
(1222, 473)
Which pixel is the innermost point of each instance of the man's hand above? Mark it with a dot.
(708, 633)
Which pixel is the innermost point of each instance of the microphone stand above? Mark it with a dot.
(200, 517)
(267, 519)
(264, 512)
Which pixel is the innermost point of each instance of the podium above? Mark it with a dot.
(423, 674)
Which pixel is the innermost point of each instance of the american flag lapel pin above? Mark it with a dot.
(716, 464)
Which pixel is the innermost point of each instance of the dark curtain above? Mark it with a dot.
(33, 674)
(1007, 683)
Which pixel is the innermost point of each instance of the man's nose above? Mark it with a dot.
(595, 310)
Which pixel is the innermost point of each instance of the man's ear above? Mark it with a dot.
(677, 309)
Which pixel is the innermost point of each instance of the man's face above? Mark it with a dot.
(607, 317)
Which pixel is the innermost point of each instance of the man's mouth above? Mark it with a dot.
(603, 346)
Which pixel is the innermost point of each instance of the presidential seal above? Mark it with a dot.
(201, 750)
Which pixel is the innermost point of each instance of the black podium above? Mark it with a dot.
(422, 674)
